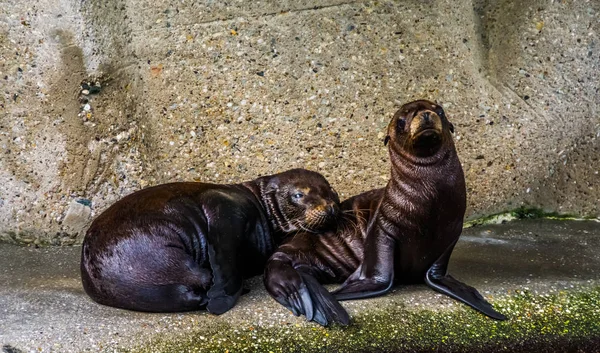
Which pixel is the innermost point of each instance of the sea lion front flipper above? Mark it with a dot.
(302, 294)
(375, 275)
(326, 308)
(438, 279)
(359, 287)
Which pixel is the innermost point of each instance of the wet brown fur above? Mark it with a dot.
(385, 236)
(397, 209)
(179, 246)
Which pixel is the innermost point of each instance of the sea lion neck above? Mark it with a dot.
(401, 157)
(254, 187)
(258, 188)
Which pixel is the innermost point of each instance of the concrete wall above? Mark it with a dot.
(226, 91)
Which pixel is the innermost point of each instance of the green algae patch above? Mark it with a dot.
(524, 213)
(537, 213)
(541, 322)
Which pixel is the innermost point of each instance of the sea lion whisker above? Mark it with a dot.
(301, 226)
(360, 217)
(351, 211)
(348, 223)
(348, 217)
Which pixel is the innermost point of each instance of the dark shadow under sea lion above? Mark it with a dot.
(403, 233)
(185, 246)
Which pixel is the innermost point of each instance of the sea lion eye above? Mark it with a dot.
(297, 196)
(401, 124)
(440, 113)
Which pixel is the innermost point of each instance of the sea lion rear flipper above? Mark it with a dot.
(438, 279)
(223, 244)
(227, 284)
(302, 294)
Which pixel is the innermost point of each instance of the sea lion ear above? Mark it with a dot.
(451, 127)
(386, 140)
(272, 185)
(336, 196)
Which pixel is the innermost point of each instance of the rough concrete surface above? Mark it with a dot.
(101, 98)
(43, 306)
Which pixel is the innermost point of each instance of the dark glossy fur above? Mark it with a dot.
(328, 257)
(403, 233)
(186, 246)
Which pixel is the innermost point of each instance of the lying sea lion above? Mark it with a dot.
(403, 233)
(185, 246)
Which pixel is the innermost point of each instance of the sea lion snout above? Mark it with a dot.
(427, 123)
(329, 208)
(323, 215)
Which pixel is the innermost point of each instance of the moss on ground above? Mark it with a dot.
(536, 323)
(523, 213)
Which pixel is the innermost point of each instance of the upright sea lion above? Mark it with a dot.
(185, 246)
(403, 233)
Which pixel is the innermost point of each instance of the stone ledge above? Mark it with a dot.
(540, 273)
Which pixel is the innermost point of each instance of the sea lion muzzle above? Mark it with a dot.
(426, 122)
(321, 216)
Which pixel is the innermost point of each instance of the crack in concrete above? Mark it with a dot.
(252, 16)
(531, 109)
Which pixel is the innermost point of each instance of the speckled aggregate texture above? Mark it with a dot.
(542, 274)
(102, 98)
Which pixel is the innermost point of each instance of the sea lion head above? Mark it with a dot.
(419, 128)
(300, 199)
